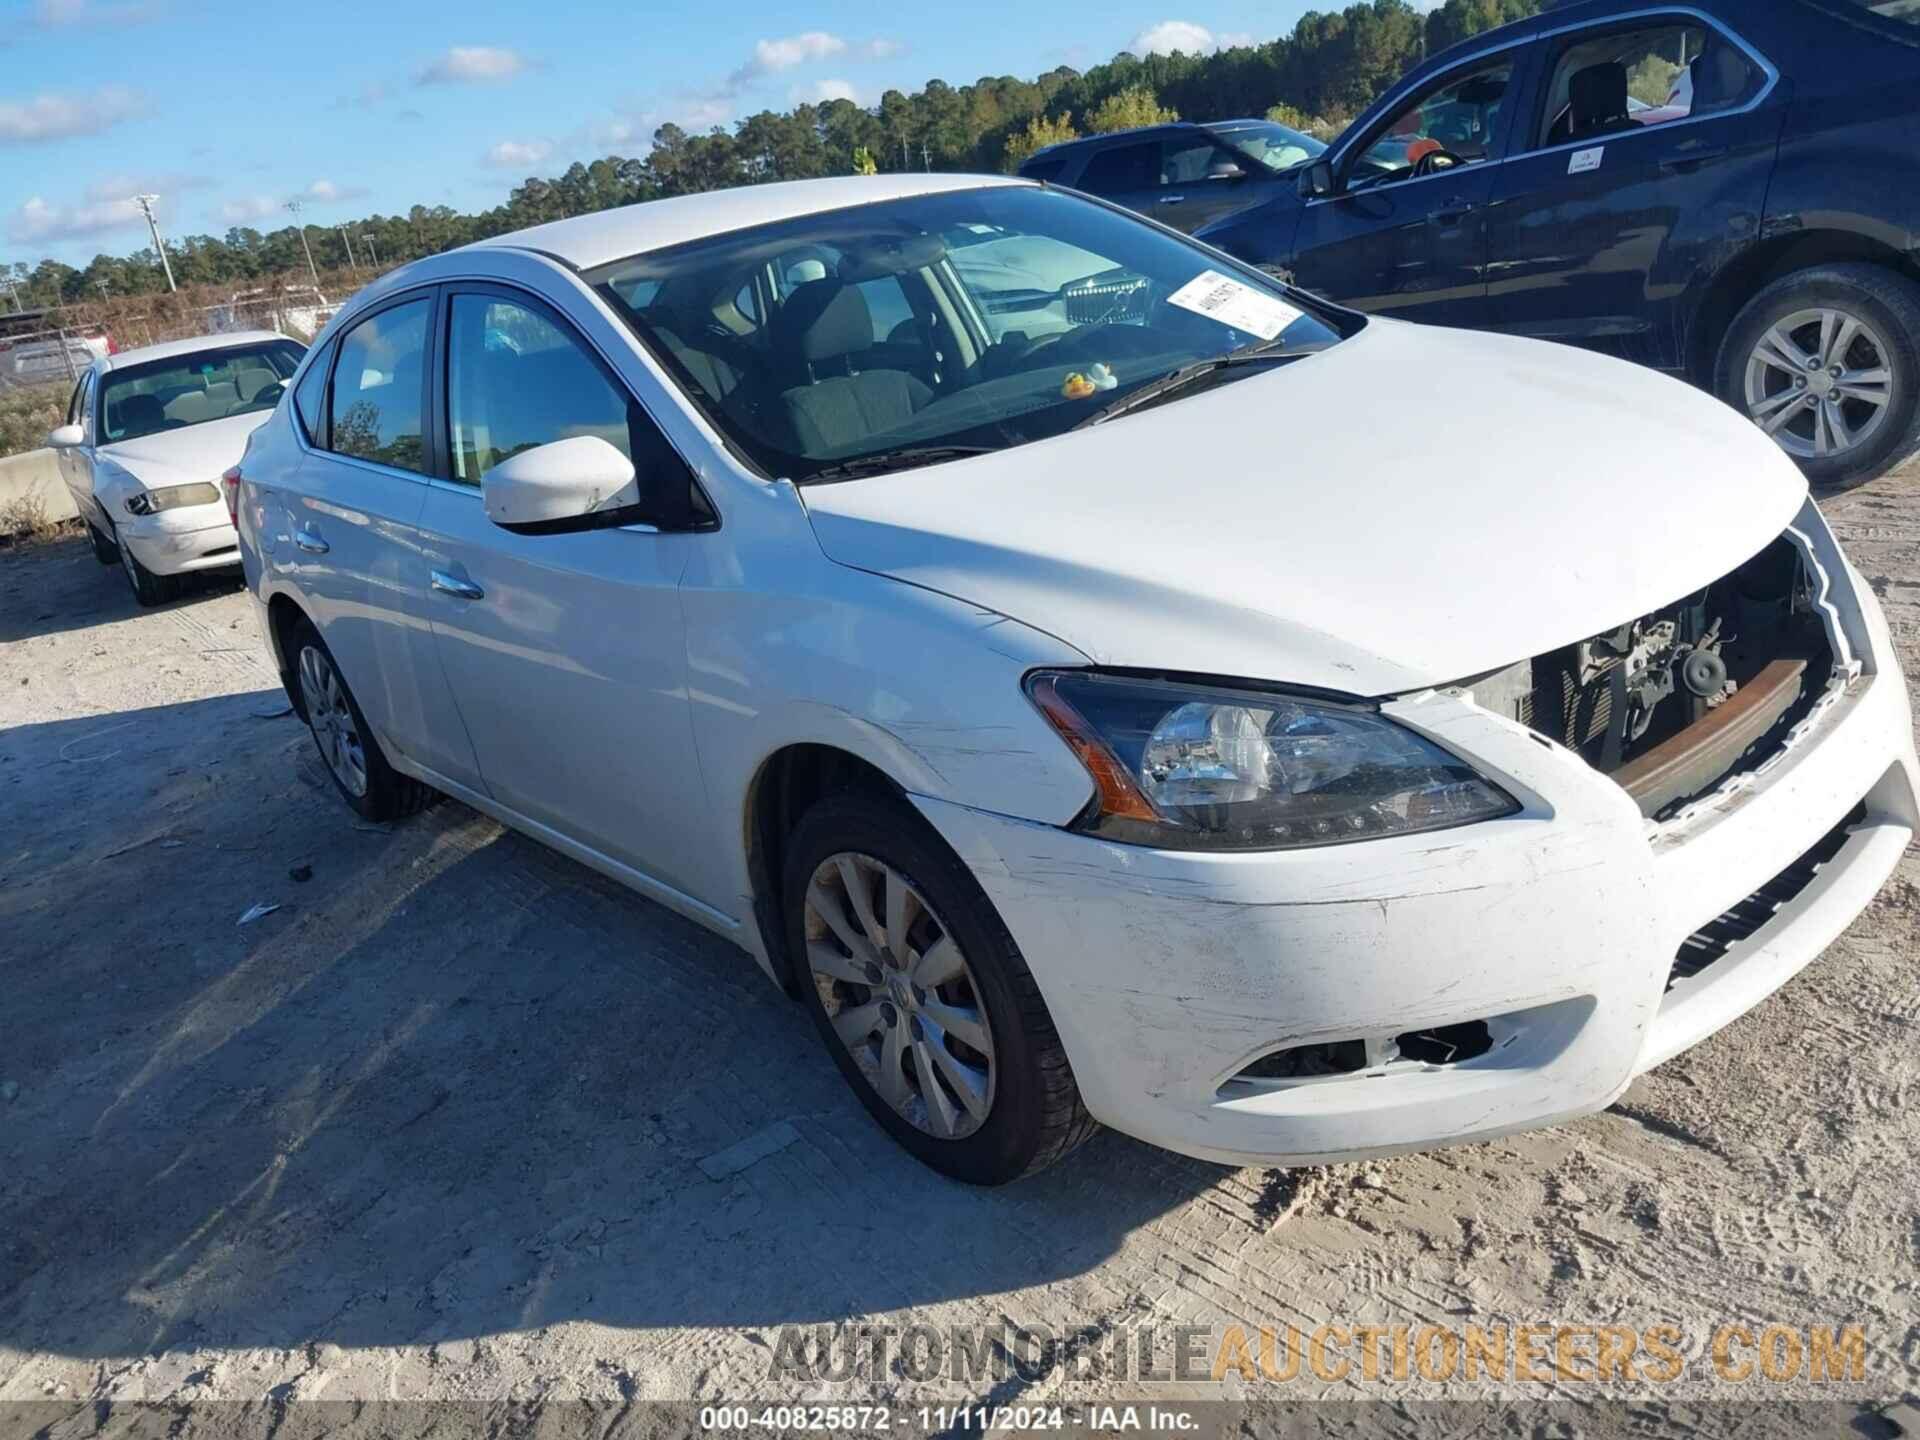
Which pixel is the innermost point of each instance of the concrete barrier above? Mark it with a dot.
(25, 479)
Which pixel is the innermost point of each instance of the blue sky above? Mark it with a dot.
(228, 108)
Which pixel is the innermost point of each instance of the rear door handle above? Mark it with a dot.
(308, 541)
(1694, 159)
(460, 589)
(1173, 199)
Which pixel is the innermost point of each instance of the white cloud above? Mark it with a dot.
(120, 186)
(328, 193)
(1186, 38)
(58, 117)
(772, 56)
(517, 154)
(881, 49)
(471, 65)
(39, 221)
(821, 91)
(248, 210)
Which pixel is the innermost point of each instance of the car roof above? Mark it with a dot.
(169, 349)
(1132, 132)
(586, 241)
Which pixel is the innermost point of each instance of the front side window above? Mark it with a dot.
(76, 406)
(1459, 123)
(192, 389)
(1629, 80)
(375, 400)
(516, 380)
(978, 319)
(1274, 146)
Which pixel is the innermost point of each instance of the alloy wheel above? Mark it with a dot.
(900, 995)
(1818, 381)
(331, 718)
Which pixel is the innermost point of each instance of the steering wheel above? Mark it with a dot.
(1435, 160)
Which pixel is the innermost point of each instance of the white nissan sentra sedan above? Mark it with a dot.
(147, 436)
(1083, 696)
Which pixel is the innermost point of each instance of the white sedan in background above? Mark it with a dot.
(1119, 724)
(148, 435)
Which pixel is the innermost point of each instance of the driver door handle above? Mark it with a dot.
(460, 589)
(1173, 199)
(1452, 213)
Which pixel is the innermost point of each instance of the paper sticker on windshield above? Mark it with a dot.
(1220, 297)
(1585, 160)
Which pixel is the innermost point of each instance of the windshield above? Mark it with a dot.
(192, 389)
(978, 319)
(1274, 146)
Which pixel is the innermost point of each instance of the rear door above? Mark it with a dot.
(1642, 172)
(344, 530)
(1405, 231)
(566, 651)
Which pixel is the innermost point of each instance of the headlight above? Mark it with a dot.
(1201, 768)
(170, 497)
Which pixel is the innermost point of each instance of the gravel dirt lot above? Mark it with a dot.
(461, 1119)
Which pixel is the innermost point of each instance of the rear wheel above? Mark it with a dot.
(149, 589)
(346, 743)
(922, 996)
(1827, 362)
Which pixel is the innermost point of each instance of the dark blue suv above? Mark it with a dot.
(1725, 190)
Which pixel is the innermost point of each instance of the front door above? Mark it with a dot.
(1405, 231)
(1644, 169)
(566, 652)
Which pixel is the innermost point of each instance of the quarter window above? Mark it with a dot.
(516, 380)
(308, 394)
(376, 394)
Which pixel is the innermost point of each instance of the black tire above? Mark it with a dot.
(388, 795)
(104, 550)
(1889, 303)
(149, 589)
(1036, 1115)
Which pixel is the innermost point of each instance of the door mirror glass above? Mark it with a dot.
(65, 437)
(1317, 180)
(581, 483)
(1225, 170)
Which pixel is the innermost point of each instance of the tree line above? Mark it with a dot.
(1328, 70)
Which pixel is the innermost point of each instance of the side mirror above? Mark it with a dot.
(1225, 170)
(1316, 181)
(65, 437)
(582, 483)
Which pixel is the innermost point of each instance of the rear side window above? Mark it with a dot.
(1627, 80)
(1123, 168)
(375, 401)
(1045, 167)
(309, 393)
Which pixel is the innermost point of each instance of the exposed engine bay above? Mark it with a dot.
(1672, 703)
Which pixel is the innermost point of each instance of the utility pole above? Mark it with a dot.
(372, 254)
(13, 288)
(145, 202)
(346, 242)
(293, 208)
(101, 285)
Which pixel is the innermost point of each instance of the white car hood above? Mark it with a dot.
(1412, 507)
(195, 452)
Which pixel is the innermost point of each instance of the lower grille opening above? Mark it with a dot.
(1440, 1045)
(1711, 942)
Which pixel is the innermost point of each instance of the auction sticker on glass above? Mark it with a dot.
(1221, 297)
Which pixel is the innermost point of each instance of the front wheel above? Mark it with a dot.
(149, 589)
(1827, 362)
(922, 996)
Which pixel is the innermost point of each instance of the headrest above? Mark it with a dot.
(803, 271)
(824, 319)
(144, 411)
(1598, 94)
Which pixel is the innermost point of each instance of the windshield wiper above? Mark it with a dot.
(1267, 354)
(882, 461)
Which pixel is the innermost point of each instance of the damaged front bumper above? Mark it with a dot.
(1506, 975)
(175, 542)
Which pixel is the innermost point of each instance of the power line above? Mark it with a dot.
(145, 202)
